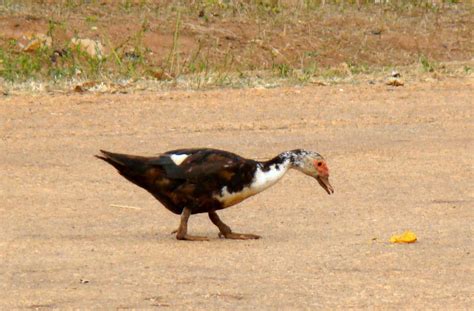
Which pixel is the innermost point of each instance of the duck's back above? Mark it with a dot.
(186, 177)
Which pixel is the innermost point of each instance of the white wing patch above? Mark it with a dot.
(178, 158)
(261, 181)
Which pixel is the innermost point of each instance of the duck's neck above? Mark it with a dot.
(287, 160)
(269, 172)
(266, 174)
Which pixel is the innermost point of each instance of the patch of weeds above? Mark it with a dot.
(71, 62)
(311, 4)
(332, 73)
(195, 64)
(91, 19)
(198, 67)
(71, 4)
(96, 66)
(426, 64)
(172, 62)
(53, 26)
(467, 69)
(311, 54)
(127, 5)
(21, 66)
(269, 6)
(129, 58)
(309, 71)
(282, 70)
(133, 63)
(223, 72)
(62, 65)
(357, 68)
(46, 62)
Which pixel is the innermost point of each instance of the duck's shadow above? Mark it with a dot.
(123, 237)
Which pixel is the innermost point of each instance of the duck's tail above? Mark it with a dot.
(131, 167)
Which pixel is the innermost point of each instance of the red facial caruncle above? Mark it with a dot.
(321, 167)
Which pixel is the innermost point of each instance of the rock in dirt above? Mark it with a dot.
(81, 88)
(35, 42)
(94, 86)
(92, 47)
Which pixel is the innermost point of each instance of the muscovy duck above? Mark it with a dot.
(191, 181)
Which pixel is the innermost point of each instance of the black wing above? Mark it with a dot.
(213, 169)
(172, 170)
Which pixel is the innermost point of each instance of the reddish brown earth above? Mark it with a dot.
(242, 37)
(400, 158)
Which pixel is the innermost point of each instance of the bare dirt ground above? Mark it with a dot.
(400, 158)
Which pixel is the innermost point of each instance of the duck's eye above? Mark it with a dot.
(320, 163)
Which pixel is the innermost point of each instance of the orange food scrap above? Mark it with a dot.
(405, 237)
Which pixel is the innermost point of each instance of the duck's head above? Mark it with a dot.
(313, 164)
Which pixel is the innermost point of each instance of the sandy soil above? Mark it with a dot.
(400, 158)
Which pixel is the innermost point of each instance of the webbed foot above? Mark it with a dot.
(226, 232)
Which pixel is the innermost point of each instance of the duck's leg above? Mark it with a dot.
(182, 232)
(226, 232)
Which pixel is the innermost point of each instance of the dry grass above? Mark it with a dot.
(214, 42)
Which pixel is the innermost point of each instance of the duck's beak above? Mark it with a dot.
(324, 182)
